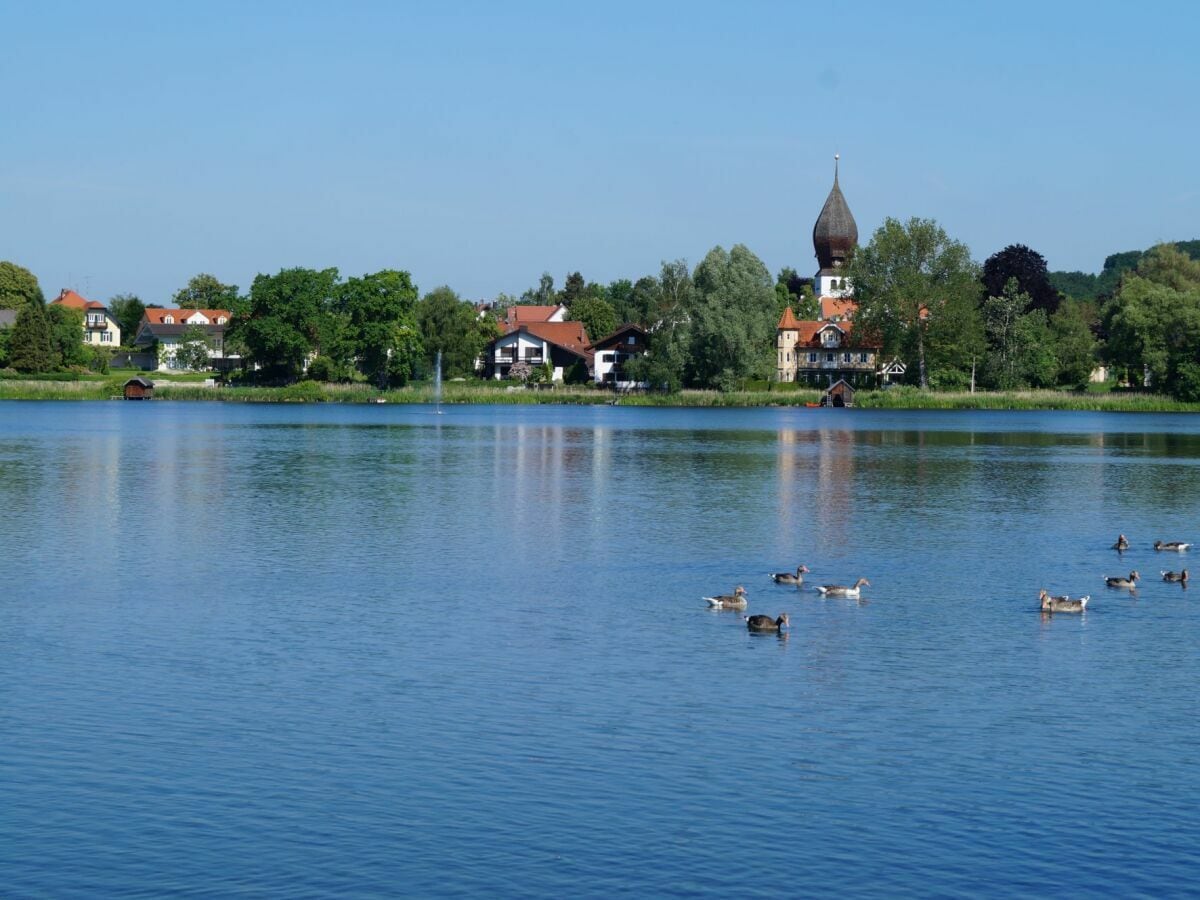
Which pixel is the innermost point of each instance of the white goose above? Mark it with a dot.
(840, 590)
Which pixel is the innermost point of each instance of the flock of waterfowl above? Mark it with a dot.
(1049, 603)
(737, 600)
(1128, 582)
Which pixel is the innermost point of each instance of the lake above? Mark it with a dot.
(368, 650)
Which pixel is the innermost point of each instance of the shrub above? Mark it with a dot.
(322, 369)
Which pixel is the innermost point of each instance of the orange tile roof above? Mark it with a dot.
(834, 307)
(69, 298)
(156, 315)
(524, 315)
(571, 335)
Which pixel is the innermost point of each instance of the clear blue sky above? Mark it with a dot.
(478, 144)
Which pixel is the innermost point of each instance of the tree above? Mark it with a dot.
(128, 310)
(619, 295)
(1028, 267)
(1074, 343)
(383, 325)
(1153, 322)
(192, 351)
(448, 324)
(543, 294)
(573, 289)
(204, 291)
(18, 287)
(733, 319)
(520, 371)
(66, 335)
(595, 313)
(288, 317)
(907, 276)
(29, 344)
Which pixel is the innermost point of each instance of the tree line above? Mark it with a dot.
(1003, 324)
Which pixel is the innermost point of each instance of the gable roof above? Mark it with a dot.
(516, 316)
(156, 315)
(69, 298)
(614, 338)
(570, 336)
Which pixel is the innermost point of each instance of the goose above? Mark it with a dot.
(736, 600)
(1118, 581)
(1171, 545)
(1062, 604)
(1121, 544)
(1181, 577)
(766, 623)
(788, 577)
(840, 590)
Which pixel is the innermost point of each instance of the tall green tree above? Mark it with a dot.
(733, 319)
(1074, 342)
(29, 344)
(128, 310)
(205, 291)
(449, 324)
(541, 295)
(573, 289)
(597, 315)
(287, 318)
(66, 336)
(18, 287)
(383, 325)
(1153, 323)
(906, 277)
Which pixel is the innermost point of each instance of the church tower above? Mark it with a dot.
(834, 235)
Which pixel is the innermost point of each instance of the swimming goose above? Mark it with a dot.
(766, 623)
(1181, 577)
(736, 600)
(1062, 604)
(788, 577)
(1121, 544)
(1118, 581)
(840, 590)
(1171, 545)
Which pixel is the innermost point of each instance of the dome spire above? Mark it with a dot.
(835, 234)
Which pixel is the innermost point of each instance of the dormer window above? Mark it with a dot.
(168, 320)
(220, 320)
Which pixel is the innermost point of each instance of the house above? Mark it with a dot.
(160, 332)
(562, 344)
(610, 354)
(100, 329)
(840, 393)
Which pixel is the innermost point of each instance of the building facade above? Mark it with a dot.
(161, 333)
(100, 329)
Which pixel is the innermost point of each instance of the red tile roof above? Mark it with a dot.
(788, 320)
(570, 335)
(69, 298)
(156, 315)
(837, 307)
(515, 316)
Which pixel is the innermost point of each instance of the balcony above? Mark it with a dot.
(507, 359)
(96, 322)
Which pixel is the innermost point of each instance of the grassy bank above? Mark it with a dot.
(487, 394)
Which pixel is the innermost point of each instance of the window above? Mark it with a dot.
(812, 357)
(220, 320)
(608, 357)
(828, 357)
(631, 340)
(168, 320)
(863, 357)
(845, 357)
(106, 337)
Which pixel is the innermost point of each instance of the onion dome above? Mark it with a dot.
(835, 233)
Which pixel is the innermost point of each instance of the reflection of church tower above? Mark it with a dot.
(834, 236)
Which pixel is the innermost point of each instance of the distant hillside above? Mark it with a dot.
(1086, 286)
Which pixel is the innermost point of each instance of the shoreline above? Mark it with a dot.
(454, 394)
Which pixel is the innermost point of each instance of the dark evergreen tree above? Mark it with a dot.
(1028, 267)
(30, 348)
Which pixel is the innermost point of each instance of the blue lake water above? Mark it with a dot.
(366, 650)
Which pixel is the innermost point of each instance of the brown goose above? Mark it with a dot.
(1180, 577)
(1121, 544)
(1119, 582)
(736, 600)
(840, 590)
(766, 623)
(1171, 545)
(788, 577)
(1062, 604)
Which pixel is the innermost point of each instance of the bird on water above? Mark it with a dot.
(766, 623)
(736, 600)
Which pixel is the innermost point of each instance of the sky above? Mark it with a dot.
(480, 144)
